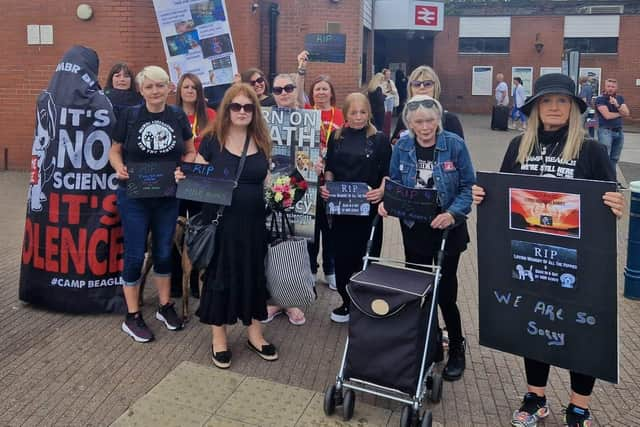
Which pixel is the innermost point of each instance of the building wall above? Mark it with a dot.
(455, 70)
(126, 30)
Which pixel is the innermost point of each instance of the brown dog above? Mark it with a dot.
(187, 268)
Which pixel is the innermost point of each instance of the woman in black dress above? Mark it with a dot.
(356, 153)
(234, 283)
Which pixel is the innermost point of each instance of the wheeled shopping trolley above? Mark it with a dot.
(393, 337)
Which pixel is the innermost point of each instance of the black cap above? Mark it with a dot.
(555, 83)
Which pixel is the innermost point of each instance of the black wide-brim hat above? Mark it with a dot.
(557, 84)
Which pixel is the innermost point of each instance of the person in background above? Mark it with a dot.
(235, 282)
(256, 78)
(519, 96)
(376, 99)
(120, 88)
(502, 91)
(431, 157)
(401, 85)
(611, 109)
(586, 93)
(391, 100)
(356, 153)
(152, 132)
(555, 138)
(424, 81)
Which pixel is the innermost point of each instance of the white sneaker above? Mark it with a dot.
(331, 281)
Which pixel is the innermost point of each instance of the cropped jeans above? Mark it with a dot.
(613, 140)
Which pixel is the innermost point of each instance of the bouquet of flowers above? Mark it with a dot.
(285, 191)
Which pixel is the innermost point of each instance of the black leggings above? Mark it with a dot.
(538, 374)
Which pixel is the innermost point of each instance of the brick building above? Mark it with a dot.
(126, 30)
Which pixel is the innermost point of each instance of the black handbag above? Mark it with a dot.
(200, 230)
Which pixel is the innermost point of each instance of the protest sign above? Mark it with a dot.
(326, 47)
(348, 198)
(151, 179)
(296, 149)
(197, 39)
(547, 271)
(203, 184)
(416, 204)
(72, 250)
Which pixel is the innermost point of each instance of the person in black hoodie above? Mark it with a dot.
(120, 88)
(554, 144)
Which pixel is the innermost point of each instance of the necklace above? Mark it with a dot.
(543, 149)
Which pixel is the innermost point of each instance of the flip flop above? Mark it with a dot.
(296, 321)
(271, 316)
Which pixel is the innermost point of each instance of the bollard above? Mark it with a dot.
(632, 270)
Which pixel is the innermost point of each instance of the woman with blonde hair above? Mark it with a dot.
(424, 81)
(234, 282)
(356, 153)
(554, 144)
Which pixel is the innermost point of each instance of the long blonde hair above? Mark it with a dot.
(351, 99)
(575, 136)
(375, 82)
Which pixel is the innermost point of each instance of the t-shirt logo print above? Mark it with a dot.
(156, 137)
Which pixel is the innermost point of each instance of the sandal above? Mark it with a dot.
(271, 314)
(268, 351)
(296, 316)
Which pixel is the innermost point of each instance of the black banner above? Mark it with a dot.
(547, 271)
(203, 184)
(72, 250)
(416, 204)
(348, 198)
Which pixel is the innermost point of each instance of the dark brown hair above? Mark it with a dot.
(121, 66)
(201, 102)
(246, 78)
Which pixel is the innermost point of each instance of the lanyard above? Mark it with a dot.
(329, 128)
(194, 126)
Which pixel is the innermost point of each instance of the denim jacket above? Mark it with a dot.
(453, 173)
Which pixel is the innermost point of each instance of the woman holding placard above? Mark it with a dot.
(151, 133)
(237, 144)
(356, 153)
(554, 140)
(432, 158)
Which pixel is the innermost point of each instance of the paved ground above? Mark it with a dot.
(58, 369)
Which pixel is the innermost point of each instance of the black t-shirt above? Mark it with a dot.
(152, 136)
(592, 162)
(354, 157)
(269, 101)
(424, 170)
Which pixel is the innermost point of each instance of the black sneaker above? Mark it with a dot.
(340, 314)
(575, 416)
(456, 364)
(135, 327)
(167, 315)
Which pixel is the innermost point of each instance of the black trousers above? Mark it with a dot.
(421, 245)
(350, 235)
(538, 374)
(321, 227)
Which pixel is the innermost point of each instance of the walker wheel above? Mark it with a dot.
(427, 419)
(406, 416)
(348, 405)
(330, 400)
(436, 388)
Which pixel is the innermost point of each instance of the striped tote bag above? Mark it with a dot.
(289, 279)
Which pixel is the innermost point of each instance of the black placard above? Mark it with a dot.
(202, 185)
(151, 179)
(547, 271)
(326, 47)
(416, 204)
(348, 198)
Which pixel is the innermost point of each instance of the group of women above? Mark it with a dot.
(428, 152)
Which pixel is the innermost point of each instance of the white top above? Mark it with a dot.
(519, 96)
(502, 94)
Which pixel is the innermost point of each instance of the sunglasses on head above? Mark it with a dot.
(248, 108)
(426, 103)
(288, 88)
(259, 81)
(423, 83)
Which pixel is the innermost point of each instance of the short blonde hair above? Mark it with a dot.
(424, 72)
(408, 111)
(152, 72)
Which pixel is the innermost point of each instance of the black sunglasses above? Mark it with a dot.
(288, 88)
(248, 108)
(423, 83)
(259, 80)
(426, 103)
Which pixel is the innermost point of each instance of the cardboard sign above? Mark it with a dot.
(348, 198)
(326, 47)
(201, 184)
(151, 179)
(547, 271)
(416, 204)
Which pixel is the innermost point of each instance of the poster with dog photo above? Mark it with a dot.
(545, 212)
(296, 149)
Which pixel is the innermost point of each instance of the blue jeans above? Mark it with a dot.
(138, 216)
(613, 140)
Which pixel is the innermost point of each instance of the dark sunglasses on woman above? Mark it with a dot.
(259, 80)
(423, 83)
(248, 108)
(426, 103)
(277, 90)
